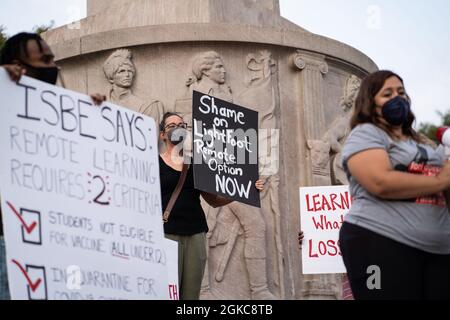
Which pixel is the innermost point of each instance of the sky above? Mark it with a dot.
(410, 37)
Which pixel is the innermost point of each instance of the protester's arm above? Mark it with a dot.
(373, 170)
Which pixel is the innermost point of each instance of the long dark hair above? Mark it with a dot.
(365, 105)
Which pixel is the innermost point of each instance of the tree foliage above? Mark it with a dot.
(43, 28)
(3, 36)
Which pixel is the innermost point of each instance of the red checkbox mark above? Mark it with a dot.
(33, 286)
(28, 228)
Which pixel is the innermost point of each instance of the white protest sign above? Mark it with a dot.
(80, 197)
(172, 268)
(322, 212)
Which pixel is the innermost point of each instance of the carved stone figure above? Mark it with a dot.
(209, 76)
(340, 130)
(261, 95)
(120, 71)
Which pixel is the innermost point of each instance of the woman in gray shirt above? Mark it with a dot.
(395, 240)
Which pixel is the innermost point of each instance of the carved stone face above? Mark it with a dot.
(217, 73)
(124, 76)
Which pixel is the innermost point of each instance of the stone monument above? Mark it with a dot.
(149, 55)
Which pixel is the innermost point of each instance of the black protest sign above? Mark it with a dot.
(225, 150)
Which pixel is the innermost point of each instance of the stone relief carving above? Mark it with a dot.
(261, 96)
(209, 76)
(324, 150)
(301, 62)
(120, 72)
(320, 157)
(326, 156)
(340, 129)
(228, 223)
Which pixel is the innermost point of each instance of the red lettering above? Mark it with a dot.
(318, 225)
(345, 202)
(308, 206)
(333, 198)
(310, 250)
(329, 248)
(173, 292)
(316, 201)
(330, 202)
(332, 245)
(325, 203)
(324, 224)
(322, 248)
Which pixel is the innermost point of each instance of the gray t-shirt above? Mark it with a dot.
(422, 223)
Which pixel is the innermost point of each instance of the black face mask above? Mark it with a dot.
(45, 74)
(396, 111)
(176, 136)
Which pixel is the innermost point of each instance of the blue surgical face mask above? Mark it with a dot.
(396, 111)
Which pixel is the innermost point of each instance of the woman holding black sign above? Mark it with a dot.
(185, 221)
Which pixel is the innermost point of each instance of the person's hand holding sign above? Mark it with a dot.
(260, 185)
(15, 71)
(301, 236)
(98, 98)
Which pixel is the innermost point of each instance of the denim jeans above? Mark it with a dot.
(4, 290)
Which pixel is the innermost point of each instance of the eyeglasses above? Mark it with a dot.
(174, 126)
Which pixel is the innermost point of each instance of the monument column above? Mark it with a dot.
(312, 70)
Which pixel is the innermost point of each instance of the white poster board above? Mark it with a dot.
(80, 196)
(172, 268)
(322, 212)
